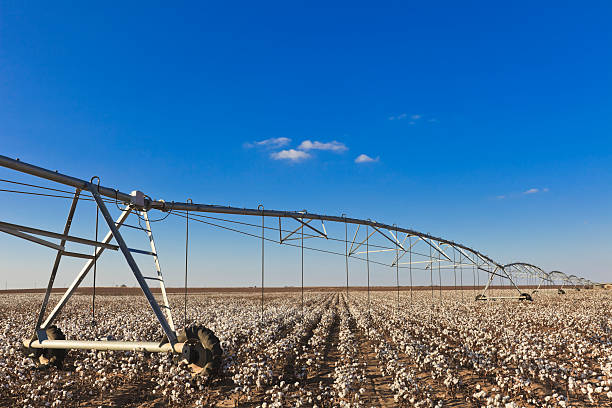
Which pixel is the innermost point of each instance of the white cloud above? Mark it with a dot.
(290, 154)
(273, 143)
(404, 116)
(364, 158)
(536, 190)
(333, 146)
(516, 195)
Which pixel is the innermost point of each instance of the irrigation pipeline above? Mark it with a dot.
(182, 208)
(182, 214)
(207, 208)
(191, 216)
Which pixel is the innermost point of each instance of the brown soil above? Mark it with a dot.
(126, 291)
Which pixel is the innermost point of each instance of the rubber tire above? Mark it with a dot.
(209, 341)
(46, 357)
(526, 296)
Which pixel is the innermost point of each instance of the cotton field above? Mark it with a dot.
(338, 351)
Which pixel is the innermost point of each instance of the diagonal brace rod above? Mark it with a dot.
(292, 232)
(394, 242)
(311, 227)
(362, 242)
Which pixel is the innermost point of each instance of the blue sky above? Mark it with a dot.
(485, 123)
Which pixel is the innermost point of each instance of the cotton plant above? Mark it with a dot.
(553, 352)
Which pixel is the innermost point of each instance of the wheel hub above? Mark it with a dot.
(195, 356)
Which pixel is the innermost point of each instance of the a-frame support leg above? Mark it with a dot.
(513, 283)
(134, 267)
(484, 291)
(539, 284)
(41, 333)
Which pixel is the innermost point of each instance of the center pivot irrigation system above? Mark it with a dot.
(197, 345)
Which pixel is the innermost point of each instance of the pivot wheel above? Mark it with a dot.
(526, 296)
(201, 350)
(48, 357)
